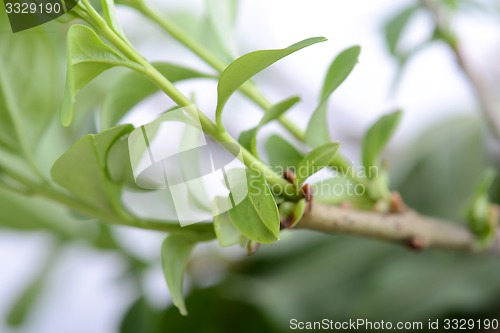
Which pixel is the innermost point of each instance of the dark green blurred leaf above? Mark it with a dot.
(83, 169)
(88, 57)
(317, 129)
(377, 137)
(134, 87)
(439, 169)
(256, 217)
(243, 68)
(140, 317)
(282, 154)
(316, 160)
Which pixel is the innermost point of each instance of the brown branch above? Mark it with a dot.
(408, 228)
(486, 101)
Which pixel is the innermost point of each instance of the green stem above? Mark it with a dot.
(248, 89)
(51, 193)
(170, 90)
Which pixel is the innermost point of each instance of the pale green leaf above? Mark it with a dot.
(282, 154)
(315, 161)
(243, 68)
(221, 16)
(108, 7)
(395, 27)
(317, 130)
(480, 214)
(377, 137)
(134, 87)
(278, 110)
(82, 170)
(29, 87)
(256, 217)
(87, 57)
(175, 253)
(226, 232)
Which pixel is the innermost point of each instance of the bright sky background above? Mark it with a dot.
(84, 285)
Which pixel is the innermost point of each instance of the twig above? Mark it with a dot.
(408, 228)
(486, 101)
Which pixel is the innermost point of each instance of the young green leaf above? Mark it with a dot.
(315, 161)
(175, 253)
(395, 27)
(134, 87)
(248, 138)
(377, 137)
(88, 57)
(256, 217)
(481, 215)
(281, 154)
(278, 110)
(243, 68)
(226, 232)
(317, 129)
(83, 171)
(292, 212)
(108, 7)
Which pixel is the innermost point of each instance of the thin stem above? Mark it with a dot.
(248, 89)
(486, 101)
(170, 90)
(49, 192)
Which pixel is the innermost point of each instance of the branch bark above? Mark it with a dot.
(409, 228)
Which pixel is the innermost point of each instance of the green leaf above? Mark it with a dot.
(221, 16)
(134, 87)
(317, 129)
(292, 212)
(30, 213)
(88, 57)
(29, 87)
(256, 217)
(226, 232)
(315, 161)
(377, 137)
(243, 68)
(110, 16)
(281, 154)
(395, 27)
(278, 110)
(175, 253)
(248, 138)
(481, 216)
(83, 169)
